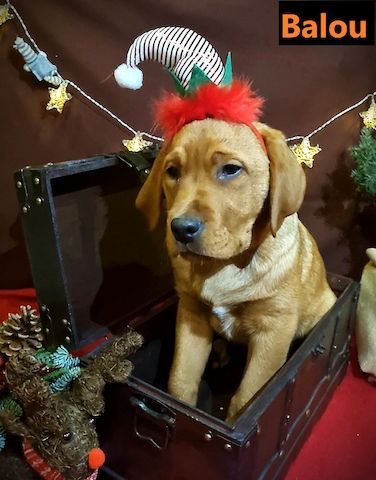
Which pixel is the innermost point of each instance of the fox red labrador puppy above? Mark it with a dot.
(244, 265)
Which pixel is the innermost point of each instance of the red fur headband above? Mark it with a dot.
(233, 103)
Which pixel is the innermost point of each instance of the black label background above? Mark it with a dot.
(336, 10)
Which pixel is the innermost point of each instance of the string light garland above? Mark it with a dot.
(77, 87)
(304, 151)
(136, 144)
(369, 116)
(58, 97)
(4, 14)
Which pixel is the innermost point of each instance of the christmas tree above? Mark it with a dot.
(364, 156)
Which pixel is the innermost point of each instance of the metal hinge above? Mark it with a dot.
(141, 162)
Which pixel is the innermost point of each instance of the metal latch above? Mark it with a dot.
(139, 161)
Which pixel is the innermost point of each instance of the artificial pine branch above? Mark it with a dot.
(44, 356)
(61, 358)
(8, 404)
(2, 438)
(62, 382)
(65, 367)
(364, 156)
(55, 374)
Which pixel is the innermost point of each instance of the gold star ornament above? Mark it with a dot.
(369, 116)
(136, 144)
(4, 14)
(58, 97)
(305, 152)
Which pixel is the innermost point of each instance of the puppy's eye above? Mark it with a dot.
(173, 172)
(230, 170)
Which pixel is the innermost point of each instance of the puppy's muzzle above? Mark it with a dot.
(186, 229)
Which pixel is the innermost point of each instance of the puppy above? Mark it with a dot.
(244, 265)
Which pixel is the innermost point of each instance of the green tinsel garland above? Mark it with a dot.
(364, 156)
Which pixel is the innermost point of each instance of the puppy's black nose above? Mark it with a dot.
(186, 229)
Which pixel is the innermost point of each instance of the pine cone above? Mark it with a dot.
(21, 331)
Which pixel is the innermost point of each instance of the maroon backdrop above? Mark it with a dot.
(303, 86)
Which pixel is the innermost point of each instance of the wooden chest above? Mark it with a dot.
(96, 268)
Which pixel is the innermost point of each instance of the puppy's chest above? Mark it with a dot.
(230, 286)
(224, 322)
(223, 293)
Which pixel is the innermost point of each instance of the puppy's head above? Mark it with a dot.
(216, 180)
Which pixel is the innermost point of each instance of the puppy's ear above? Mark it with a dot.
(287, 177)
(149, 198)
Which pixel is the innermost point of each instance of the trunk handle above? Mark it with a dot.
(168, 422)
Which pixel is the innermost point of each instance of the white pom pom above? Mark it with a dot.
(128, 77)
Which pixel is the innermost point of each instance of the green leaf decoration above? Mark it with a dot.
(227, 76)
(364, 155)
(178, 85)
(199, 78)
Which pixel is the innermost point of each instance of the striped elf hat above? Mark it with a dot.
(188, 57)
(205, 87)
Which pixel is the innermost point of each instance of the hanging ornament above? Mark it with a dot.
(58, 97)
(37, 63)
(305, 152)
(136, 144)
(4, 14)
(369, 116)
